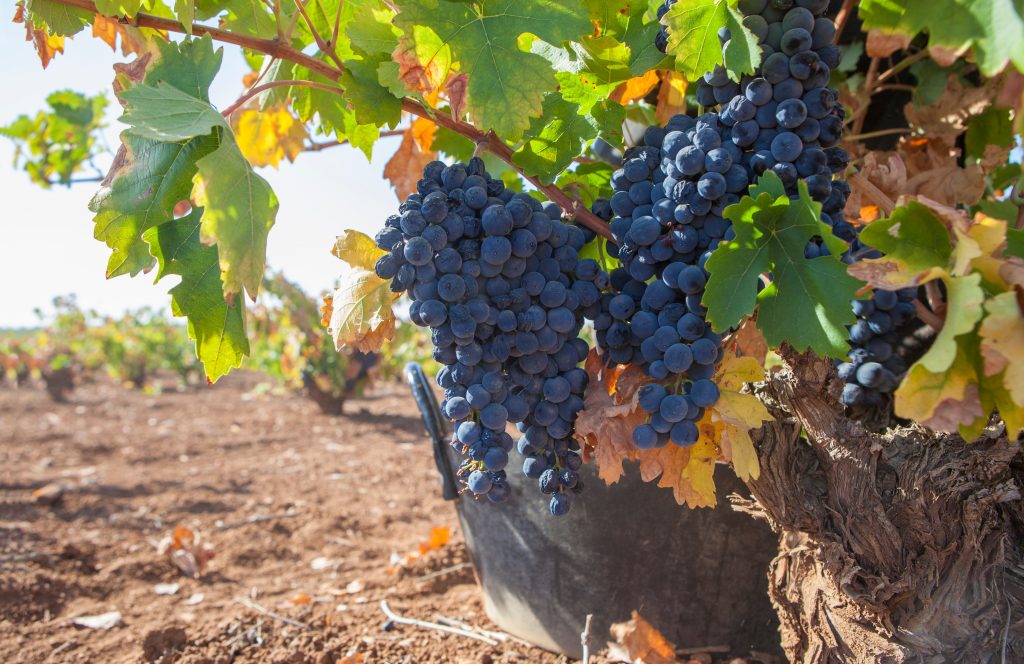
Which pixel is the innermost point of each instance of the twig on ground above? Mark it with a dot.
(442, 572)
(248, 603)
(585, 638)
(394, 617)
(498, 636)
(256, 518)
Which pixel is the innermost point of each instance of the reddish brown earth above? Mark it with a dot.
(305, 515)
(349, 491)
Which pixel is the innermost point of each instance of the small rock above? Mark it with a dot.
(164, 645)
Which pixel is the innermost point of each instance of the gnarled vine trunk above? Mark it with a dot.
(903, 547)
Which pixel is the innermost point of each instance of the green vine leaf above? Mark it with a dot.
(506, 85)
(58, 18)
(216, 326)
(808, 302)
(639, 36)
(240, 205)
(993, 28)
(693, 39)
(150, 177)
(555, 140)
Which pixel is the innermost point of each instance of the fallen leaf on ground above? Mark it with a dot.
(638, 642)
(186, 551)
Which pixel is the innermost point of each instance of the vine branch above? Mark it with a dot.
(252, 92)
(278, 49)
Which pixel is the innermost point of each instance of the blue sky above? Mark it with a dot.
(46, 243)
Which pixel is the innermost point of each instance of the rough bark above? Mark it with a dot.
(897, 547)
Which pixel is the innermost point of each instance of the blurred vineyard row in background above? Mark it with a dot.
(146, 349)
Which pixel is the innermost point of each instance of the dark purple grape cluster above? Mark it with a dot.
(875, 364)
(670, 195)
(786, 118)
(661, 39)
(497, 278)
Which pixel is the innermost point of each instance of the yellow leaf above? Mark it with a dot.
(965, 297)
(671, 97)
(361, 314)
(635, 88)
(357, 249)
(1002, 343)
(942, 401)
(738, 414)
(735, 370)
(265, 137)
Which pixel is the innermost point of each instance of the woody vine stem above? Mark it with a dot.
(277, 48)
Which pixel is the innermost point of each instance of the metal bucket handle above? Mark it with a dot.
(436, 425)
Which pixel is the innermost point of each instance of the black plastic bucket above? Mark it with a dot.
(698, 575)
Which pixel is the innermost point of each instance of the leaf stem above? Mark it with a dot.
(900, 66)
(279, 49)
(252, 92)
(881, 132)
(317, 147)
(324, 47)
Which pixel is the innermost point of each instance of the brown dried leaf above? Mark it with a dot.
(186, 550)
(643, 644)
(605, 425)
(748, 341)
(404, 169)
(882, 44)
(455, 87)
(947, 117)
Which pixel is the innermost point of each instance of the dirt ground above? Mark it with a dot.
(306, 516)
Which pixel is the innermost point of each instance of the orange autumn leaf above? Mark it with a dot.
(47, 45)
(423, 131)
(869, 213)
(133, 40)
(327, 310)
(635, 88)
(640, 643)
(439, 536)
(405, 168)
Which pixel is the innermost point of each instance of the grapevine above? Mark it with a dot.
(497, 278)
